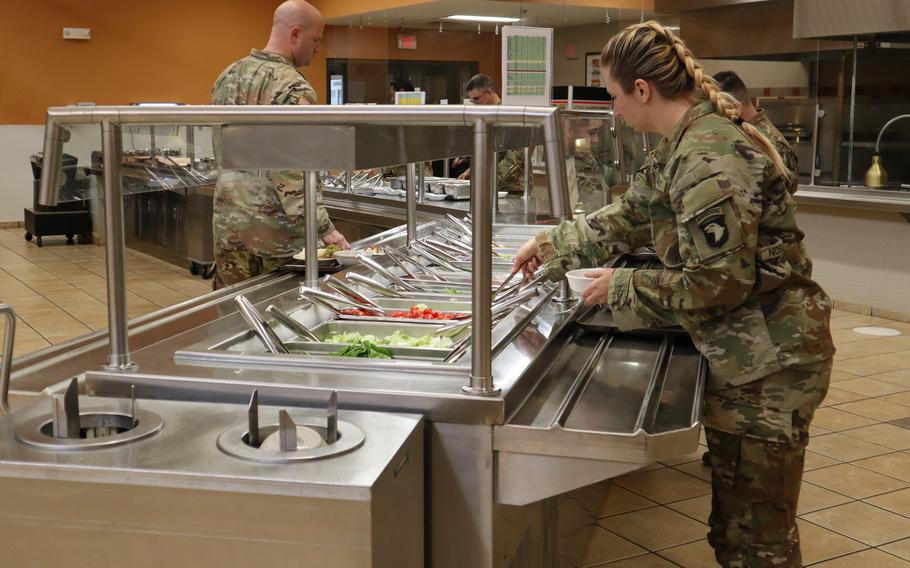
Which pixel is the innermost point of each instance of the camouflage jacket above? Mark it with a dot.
(786, 151)
(260, 211)
(510, 172)
(735, 274)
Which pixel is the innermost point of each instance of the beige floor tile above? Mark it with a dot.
(813, 498)
(901, 377)
(866, 559)
(697, 508)
(696, 469)
(902, 398)
(816, 430)
(896, 465)
(698, 554)
(615, 501)
(656, 528)
(663, 485)
(852, 481)
(837, 375)
(25, 346)
(865, 366)
(896, 502)
(863, 522)
(643, 561)
(815, 461)
(870, 387)
(868, 348)
(877, 409)
(595, 545)
(886, 435)
(839, 396)
(835, 420)
(818, 543)
(845, 448)
(900, 548)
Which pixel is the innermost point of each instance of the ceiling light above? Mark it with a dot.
(491, 19)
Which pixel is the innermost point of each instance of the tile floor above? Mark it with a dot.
(855, 504)
(58, 291)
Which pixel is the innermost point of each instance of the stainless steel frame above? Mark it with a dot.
(480, 119)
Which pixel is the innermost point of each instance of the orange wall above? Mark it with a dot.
(170, 50)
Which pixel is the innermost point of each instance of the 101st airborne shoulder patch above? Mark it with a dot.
(715, 230)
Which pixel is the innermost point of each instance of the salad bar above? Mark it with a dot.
(463, 396)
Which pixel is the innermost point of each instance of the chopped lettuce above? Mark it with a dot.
(397, 339)
(364, 349)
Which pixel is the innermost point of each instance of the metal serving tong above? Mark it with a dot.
(290, 323)
(379, 269)
(497, 309)
(260, 327)
(400, 257)
(373, 285)
(351, 293)
(329, 300)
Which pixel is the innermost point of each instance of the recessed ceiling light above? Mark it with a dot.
(490, 19)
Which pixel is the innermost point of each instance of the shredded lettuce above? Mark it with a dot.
(397, 339)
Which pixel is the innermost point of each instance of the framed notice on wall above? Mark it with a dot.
(593, 77)
(527, 64)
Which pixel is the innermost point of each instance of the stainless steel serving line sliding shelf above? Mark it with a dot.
(532, 396)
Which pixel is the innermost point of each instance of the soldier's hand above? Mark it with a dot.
(527, 258)
(598, 291)
(457, 162)
(337, 239)
(465, 175)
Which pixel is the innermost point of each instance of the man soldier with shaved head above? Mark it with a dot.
(258, 215)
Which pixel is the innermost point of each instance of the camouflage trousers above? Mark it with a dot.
(757, 435)
(233, 266)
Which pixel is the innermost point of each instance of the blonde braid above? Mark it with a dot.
(724, 104)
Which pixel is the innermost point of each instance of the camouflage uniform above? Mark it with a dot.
(786, 151)
(400, 170)
(258, 215)
(736, 277)
(510, 172)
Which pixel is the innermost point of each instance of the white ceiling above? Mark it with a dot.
(428, 15)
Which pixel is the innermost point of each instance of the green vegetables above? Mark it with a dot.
(454, 291)
(397, 339)
(364, 348)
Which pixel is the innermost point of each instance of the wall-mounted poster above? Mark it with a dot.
(527, 63)
(592, 70)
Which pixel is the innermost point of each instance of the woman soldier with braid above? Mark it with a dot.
(712, 200)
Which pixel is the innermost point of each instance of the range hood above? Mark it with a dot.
(844, 19)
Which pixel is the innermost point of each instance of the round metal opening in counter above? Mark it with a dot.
(96, 430)
(311, 441)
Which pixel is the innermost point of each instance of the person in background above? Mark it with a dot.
(509, 168)
(730, 82)
(399, 86)
(713, 201)
(258, 215)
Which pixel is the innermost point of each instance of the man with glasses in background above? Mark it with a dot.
(510, 168)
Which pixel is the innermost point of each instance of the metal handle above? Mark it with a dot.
(376, 267)
(373, 285)
(259, 326)
(9, 335)
(351, 293)
(290, 323)
(312, 293)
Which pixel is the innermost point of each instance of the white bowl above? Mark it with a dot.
(577, 279)
(349, 257)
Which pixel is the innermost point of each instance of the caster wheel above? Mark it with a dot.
(194, 268)
(29, 236)
(39, 241)
(70, 239)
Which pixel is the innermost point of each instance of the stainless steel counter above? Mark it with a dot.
(896, 201)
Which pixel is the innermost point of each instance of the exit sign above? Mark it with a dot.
(407, 41)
